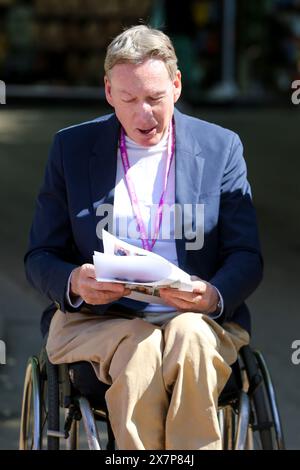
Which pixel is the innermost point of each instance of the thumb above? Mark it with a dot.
(88, 270)
(199, 287)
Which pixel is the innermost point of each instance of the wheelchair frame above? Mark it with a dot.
(248, 416)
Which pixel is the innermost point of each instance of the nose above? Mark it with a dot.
(145, 112)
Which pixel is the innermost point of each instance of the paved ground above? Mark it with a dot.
(271, 139)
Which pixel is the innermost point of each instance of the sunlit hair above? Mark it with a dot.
(138, 43)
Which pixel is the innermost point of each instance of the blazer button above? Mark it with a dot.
(57, 305)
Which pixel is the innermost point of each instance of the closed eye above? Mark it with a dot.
(157, 98)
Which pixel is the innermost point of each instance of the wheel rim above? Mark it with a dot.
(272, 399)
(31, 408)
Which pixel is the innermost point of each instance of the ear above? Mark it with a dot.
(177, 86)
(107, 87)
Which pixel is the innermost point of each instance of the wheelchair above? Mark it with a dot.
(59, 399)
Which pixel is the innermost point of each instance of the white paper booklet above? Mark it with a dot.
(142, 271)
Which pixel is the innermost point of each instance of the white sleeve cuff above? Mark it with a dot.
(213, 315)
(79, 300)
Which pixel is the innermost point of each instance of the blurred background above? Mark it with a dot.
(226, 49)
(238, 59)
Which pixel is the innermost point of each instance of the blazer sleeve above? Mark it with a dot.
(240, 260)
(49, 260)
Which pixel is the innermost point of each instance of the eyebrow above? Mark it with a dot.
(156, 93)
(126, 92)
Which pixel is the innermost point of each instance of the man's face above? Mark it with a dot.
(143, 96)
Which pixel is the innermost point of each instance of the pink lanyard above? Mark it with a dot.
(132, 193)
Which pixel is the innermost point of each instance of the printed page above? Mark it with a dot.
(134, 269)
(140, 270)
(114, 246)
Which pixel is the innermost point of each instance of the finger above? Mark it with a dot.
(188, 303)
(199, 287)
(88, 271)
(107, 286)
(180, 295)
(180, 304)
(101, 299)
(190, 297)
(110, 296)
(89, 291)
(195, 305)
(169, 294)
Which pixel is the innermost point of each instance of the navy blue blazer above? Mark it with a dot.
(80, 175)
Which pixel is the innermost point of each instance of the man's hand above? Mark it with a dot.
(84, 285)
(204, 298)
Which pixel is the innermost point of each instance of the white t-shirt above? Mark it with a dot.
(147, 172)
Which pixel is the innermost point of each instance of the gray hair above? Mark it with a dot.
(138, 43)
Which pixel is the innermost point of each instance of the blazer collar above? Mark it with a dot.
(185, 138)
(188, 165)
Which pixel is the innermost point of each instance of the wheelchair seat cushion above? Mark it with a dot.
(86, 383)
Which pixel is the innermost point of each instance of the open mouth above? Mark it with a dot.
(149, 131)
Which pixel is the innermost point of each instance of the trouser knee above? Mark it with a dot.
(140, 350)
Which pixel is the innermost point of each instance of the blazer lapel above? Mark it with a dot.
(189, 165)
(102, 171)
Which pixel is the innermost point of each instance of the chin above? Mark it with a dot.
(150, 140)
(150, 143)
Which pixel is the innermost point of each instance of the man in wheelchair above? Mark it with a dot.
(164, 365)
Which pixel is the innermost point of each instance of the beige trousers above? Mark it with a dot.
(165, 380)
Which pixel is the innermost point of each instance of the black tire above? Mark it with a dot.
(272, 400)
(262, 420)
(53, 419)
(31, 415)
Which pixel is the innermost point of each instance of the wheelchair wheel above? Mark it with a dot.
(63, 428)
(31, 415)
(250, 419)
(40, 407)
(234, 420)
(264, 430)
(51, 404)
(272, 400)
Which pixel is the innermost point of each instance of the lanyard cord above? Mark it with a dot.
(132, 193)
